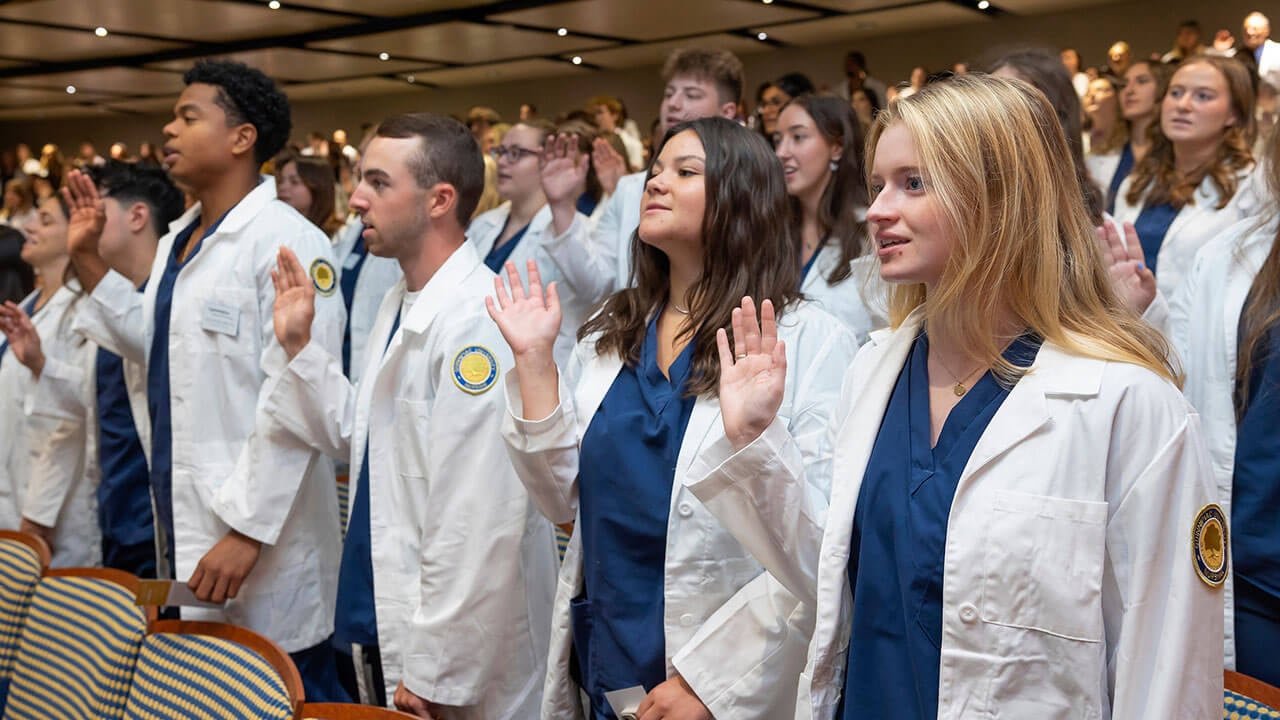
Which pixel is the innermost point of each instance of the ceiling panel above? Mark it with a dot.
(656, 53)
(306, 65)
(651, 19)
(1035, 7)
(880, 22)
(162, 106)
(388, 8)
(122, 80)
(462, 42)
(497, 73)
(855, 6)
(16, 93)
(50, 44)
(343, 89)
(208, 20)
(52, 111)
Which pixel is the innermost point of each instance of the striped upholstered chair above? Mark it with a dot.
(212, 671)
(1246, 698)
(23, 559)
(78, 647)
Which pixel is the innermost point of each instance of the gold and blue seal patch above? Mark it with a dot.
(1210, 545)
(475, 369)
(323, 277)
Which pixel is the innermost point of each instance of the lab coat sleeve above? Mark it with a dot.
(59, 391)
(313, 400)
(112, 317)
(59, 459)
(586, 257)
(471, 533)
(545, 451)
(1164, 624)
(772, 494)
(258, 496)
(743, 660)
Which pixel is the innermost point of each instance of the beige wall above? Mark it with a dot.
(1148, 25)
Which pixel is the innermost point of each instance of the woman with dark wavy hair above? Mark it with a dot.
(1194, 181)
(653, 591)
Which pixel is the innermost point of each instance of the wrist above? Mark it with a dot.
(295, 346)
(244, 539)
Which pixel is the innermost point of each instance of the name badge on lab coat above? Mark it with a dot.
(221, 318)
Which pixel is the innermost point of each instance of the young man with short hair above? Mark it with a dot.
(448, 570)
(245, 511)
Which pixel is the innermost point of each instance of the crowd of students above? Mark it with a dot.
(956, 402)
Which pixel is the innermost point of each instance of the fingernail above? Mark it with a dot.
(1142, 266)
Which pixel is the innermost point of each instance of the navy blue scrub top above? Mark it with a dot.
(625, 475)
(808, 265)
(586, 204)
(1255, 488)
(1152, 225)
(347, 281)
(356, 619)
(899, 537)
(158, 400)
(1122, 171)
(124, 493)
(497, 257)
(30, 310)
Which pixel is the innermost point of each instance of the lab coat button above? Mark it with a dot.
(686, 620)
(685, 509)
(968, 613)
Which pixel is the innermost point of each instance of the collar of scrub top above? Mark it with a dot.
(238, 216)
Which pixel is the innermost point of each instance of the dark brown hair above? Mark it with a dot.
(1262, 305)
(846, 191)
(746, 250)
(720, 67)
(318, 179)
(446, 153)
(1157, 175)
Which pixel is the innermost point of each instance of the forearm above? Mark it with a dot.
(539, 384)
(90, 269)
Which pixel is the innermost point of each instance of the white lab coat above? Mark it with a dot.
(483, 233)
(51, 430)
(595, 260)
(1269, 63)
(233, 467)
(377, 276)
(859, 301)
(463, 564)
(1102, 167)
(1204, 318)
(1068, 543)
(1195, 224)
(734, 634)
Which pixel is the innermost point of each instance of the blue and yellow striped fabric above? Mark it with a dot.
(1240, 707)
(19, 572)
(197, 677)
(562, 542)
(344, 503)
(77, 651)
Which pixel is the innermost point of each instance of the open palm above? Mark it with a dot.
(564, 169)
(295, 303)
(529, 321)
(753, 380)
(88, 213)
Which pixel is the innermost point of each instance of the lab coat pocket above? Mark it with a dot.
(411, 454)
(1042, 565)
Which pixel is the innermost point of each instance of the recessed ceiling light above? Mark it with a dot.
(767, 2)
(100, 32)
(274, 4)
(562, 32)
(71, 89)
(762, 36)
(577, 60)
(983, 4)
(384, 56)
(411, 79)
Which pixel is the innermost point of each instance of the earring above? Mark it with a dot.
(835, 165)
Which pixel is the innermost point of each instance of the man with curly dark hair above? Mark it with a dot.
(246, 513)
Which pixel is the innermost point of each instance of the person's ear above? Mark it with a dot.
(442, 200)
(138, 217)
(244, 138)
(729, 110)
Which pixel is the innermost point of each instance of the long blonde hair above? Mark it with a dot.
(994, 157)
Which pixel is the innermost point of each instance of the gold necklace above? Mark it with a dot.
(959, 388)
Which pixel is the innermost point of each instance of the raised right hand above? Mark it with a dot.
(88, 213)
(752, 381)
(1132, 279)
(295, 304)
(610, 166)
(564, 169)
(529, 321)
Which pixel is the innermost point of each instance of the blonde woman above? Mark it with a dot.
(1016, 475)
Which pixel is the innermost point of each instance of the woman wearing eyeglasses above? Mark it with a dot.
(515, 231)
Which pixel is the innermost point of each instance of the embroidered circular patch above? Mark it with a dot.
(1210, 545)
(475, 369)
(323, 277)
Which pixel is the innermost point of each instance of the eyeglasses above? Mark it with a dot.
(516, 154)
